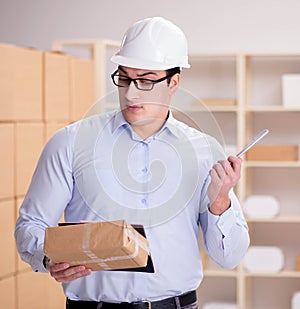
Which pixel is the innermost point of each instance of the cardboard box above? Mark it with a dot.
(32, 290)
(7, 241)
(8, 290)
(20, 83)
(56, 87)
(82, 81)
(29, 144)
(97, 245)
(297, 266)
(7, 154)
(291, 90)
(52, 127)
(21, 266)
(273, 153)
(215, 102)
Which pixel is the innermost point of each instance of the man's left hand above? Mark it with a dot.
(224, 176)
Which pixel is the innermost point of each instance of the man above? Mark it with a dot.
(142, 165)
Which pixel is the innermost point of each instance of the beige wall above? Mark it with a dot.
(210, 25)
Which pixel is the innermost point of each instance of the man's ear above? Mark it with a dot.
(174, 83)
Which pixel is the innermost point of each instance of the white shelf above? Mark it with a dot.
(282, 274)
(292, 164)
(279, 219)
(271, 109)
(205, 108)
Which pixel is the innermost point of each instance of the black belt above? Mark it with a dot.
(184, 300)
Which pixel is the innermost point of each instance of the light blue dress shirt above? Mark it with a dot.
(98, 169)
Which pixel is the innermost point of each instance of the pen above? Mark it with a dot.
(256, 139)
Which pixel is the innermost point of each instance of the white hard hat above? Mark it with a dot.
(153, 44)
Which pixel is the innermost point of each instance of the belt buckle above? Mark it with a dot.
(149, 305)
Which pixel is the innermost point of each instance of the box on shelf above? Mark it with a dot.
(261, 206)
(273, 153)
(264, 259)
(295, 303)
(215, 102)
(97, 245)
(298, 262)
(291, 90)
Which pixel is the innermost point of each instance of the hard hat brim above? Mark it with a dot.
(144, 64)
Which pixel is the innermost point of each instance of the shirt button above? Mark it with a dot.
(144, 201)
(144, 170)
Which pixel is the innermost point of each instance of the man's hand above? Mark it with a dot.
(62, 272)
(224, 176)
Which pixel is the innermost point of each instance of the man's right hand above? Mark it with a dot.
(62, 272)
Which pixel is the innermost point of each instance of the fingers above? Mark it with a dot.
(222, 168)
(228, 167)
(236, 163)
(224, 176)
(226, 173)
(62, 272)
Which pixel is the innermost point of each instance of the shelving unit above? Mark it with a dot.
(253, 81)
(264, 108)
(255, 110)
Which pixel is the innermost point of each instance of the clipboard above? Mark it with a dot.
(149, 268)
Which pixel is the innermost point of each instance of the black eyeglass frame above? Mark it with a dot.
(134, 80)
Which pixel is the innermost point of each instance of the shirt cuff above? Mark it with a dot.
(37, 262)
(224, 222)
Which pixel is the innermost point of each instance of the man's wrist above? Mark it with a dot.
(219, 207)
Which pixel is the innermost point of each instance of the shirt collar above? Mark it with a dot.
(119, 121)
(171, 123)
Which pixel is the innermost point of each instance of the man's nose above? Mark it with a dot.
(132, 92)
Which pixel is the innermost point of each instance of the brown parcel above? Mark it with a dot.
(97, 245)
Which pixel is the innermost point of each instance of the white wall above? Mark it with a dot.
(210, 25)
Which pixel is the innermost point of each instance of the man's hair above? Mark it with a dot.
(172, 71)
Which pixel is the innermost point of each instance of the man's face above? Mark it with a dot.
(140, 107)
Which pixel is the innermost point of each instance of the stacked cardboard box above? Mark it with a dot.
(39, 94)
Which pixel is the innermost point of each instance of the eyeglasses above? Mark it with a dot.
(140, 83)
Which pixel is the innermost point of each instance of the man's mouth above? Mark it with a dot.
(134, 108)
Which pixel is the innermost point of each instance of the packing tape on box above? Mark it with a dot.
(264, 259)
(261, 206)
(103, 262)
